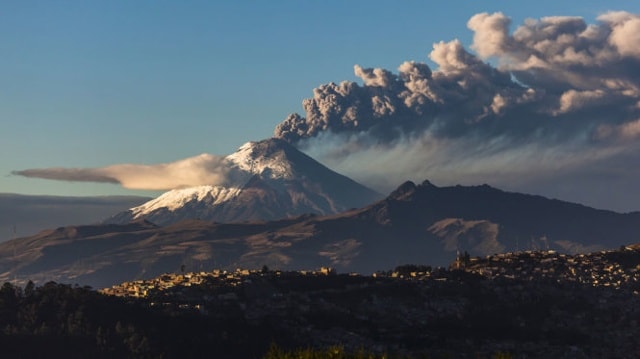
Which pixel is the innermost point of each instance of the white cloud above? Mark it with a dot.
(573, 100)
(490, 33)
(204, 169)
(625, 32)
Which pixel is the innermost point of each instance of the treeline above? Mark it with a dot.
(338, 352)
(56, 320)
(64, 321)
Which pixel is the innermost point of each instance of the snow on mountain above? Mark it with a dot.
(253, 159)
(178, 198)
(268, 179)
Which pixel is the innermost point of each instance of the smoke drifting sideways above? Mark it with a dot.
(204, 169)
(551, 105)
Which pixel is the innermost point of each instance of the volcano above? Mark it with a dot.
(266, 180)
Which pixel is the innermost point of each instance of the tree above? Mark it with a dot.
(29, 289)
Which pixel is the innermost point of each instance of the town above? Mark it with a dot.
(531, 304)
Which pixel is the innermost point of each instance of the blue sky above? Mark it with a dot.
(91, 84)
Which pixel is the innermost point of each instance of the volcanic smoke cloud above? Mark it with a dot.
(563, 97)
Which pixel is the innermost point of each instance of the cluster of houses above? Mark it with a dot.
(616, 269)
(557, 302)
(221, 278)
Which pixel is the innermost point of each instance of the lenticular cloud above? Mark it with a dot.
(204, 169)
(555, 94)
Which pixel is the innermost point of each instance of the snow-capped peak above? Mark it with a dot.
(264, 180)
(177, 198)
(265, 158)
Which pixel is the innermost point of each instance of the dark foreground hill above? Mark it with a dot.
(521, 305)
(415, 224)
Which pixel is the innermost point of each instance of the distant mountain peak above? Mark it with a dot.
(427, 183)
(404, 190)
(268, 158)
(409, 188)
(270, 179)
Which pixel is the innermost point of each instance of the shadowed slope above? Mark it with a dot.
(416, 224)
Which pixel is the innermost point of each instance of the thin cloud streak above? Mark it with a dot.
(204, 169)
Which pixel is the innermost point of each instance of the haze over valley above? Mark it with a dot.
(25, 215)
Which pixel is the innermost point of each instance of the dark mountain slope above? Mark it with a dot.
(416, 224)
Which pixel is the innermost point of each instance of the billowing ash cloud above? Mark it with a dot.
(553, 74)
(563, 95)
(204, 169)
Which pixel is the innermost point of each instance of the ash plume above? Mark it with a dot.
(555, 97)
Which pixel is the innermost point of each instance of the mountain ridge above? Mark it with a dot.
(422, 224)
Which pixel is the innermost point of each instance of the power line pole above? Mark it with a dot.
(15, 263)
